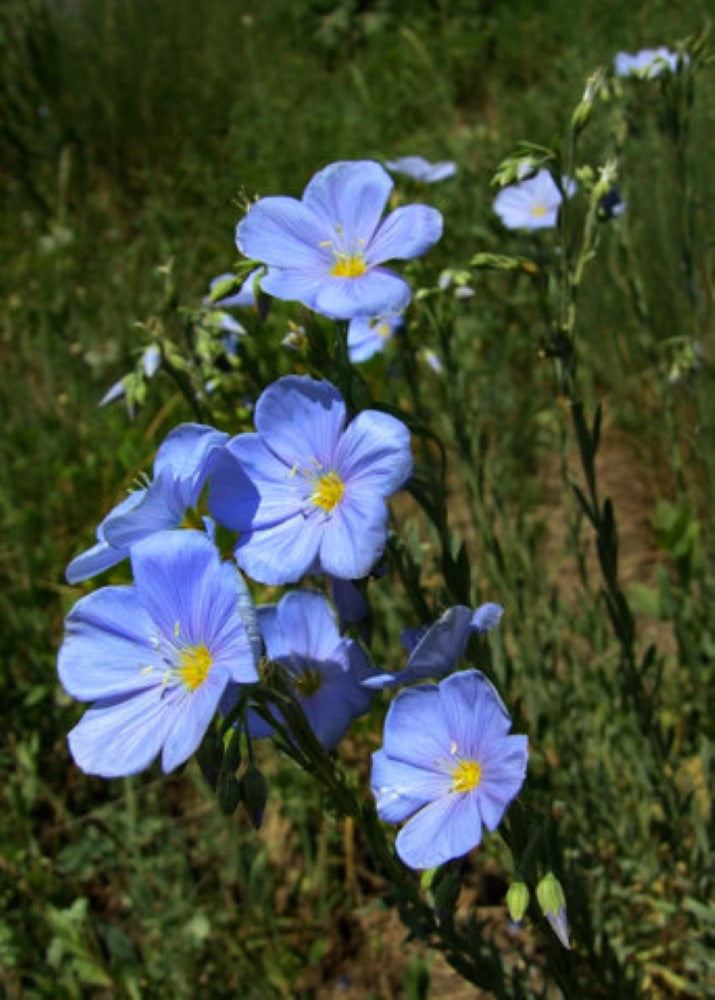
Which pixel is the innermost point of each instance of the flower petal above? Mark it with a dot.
(95, 560)
(400, 789)
(301, 419)
(179, 580)
(447, 828)
(353, 537)
(191, 718)
(122, 736)
(281, 553)
(250, 488)
(503, 774)
(107, 646)
(474, 713)
(407, 232)
(376, 292)
(186, 453)
(374, 454)
(284, 232)
(350, 196)
(306, 618)
(415, 729)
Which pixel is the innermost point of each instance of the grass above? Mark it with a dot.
(132, 135)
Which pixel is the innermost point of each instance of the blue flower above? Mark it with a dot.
(156, 657)
(244, 298)
(422, 170)
(611, 205)
(326, 249)
(180, 469)
(647, 63)
(532, 203)
(435, 650)
(370, 336)
(325, 669)
(306, 493)
(447, 762)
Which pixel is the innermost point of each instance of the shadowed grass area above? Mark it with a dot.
(132, 136)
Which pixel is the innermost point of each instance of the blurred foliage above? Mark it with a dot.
(133, 135)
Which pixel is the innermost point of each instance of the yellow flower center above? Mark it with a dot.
(348, 265)
(194, 665)
(384, 330)
(308, 682)
(466, 776)
(538, 210)
(329, 491)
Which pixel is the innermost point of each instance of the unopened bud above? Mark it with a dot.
(553, 905)
(517, 901)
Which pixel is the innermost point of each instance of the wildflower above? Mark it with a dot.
(306, 493)
(324, 669)
(422, 170)
(435, 650)
(648, 63)
(448, 763)
(244, 298)
(370, 336)
(552, 901)
(611, 205)
(532, 203)
(156, 657)
(326, 249)
(180, 469)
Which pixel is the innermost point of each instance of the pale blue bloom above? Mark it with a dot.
(435, 650)
(532, 203)
(156, 657)
(447, 762)
(367, 337)
(180, 468)
(323, 668)
(422, 170)
(326, 250)
(647, 63)
(306, 492)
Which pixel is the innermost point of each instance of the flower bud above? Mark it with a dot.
(552, 901)
(517, 901)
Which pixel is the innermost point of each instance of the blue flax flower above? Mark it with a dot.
(306, 493)
(647, 63)
(156, 657)
(532, 203)
(422, 170)
(435, 650)
(324, 669)
(180, 468)
(447, 762)
(367, 337)
(326, 250)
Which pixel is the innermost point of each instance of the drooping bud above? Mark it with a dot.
(517, 900)
(552, 901)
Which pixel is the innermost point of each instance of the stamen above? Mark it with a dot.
(328, 491)
(466, 776)
(194, 665)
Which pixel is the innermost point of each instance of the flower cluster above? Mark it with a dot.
(306, 494)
